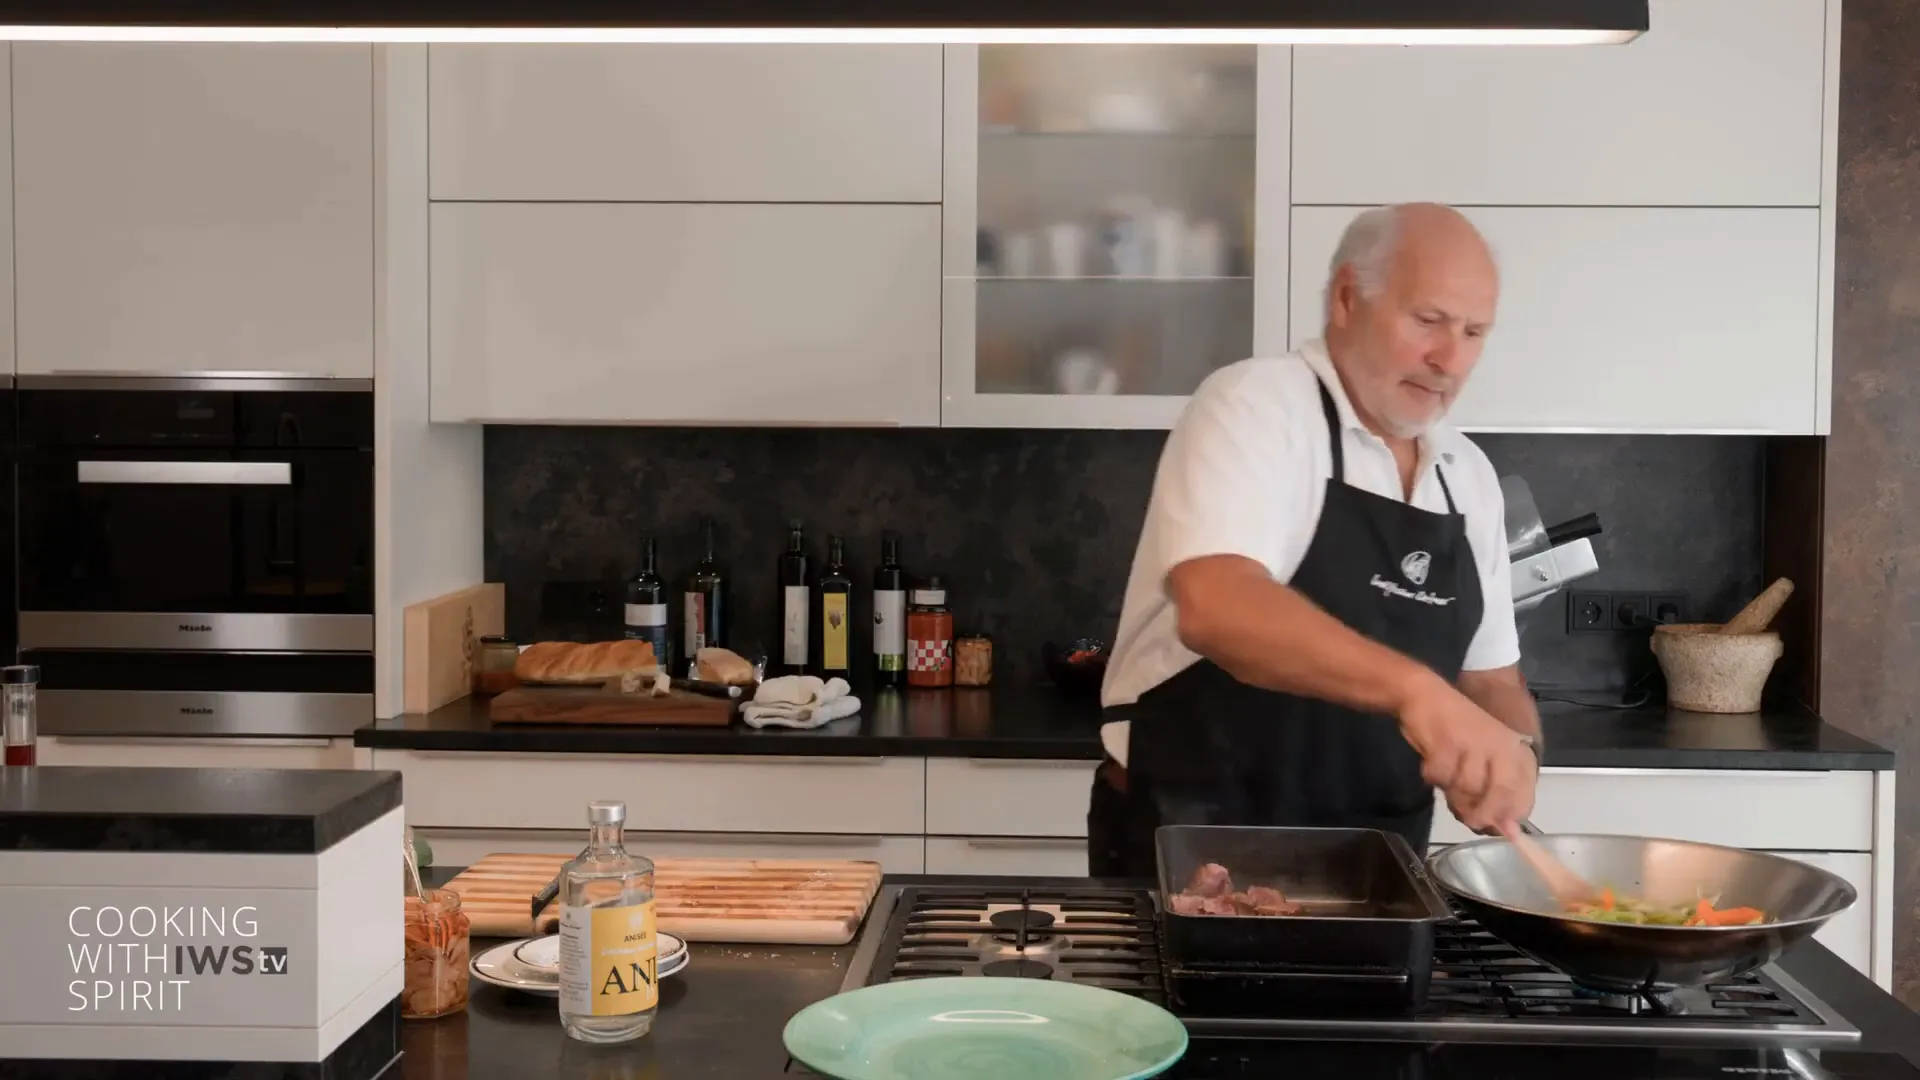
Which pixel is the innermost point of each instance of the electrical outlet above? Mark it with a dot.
(1629, 612)
(1668, 607)
(1589, 612)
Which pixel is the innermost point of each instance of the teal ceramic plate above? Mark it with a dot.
(985, 1029)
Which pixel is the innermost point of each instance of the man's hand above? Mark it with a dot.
(1485, 770)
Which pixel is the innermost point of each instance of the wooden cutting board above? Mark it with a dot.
(441, 638)
(770, 901)
(593, 705)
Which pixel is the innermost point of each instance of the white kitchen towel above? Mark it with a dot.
(799, 701)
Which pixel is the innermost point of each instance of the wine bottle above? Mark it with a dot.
(889, 614)
(703, 606)
(836, 613)
(796, 603)
(646, 610)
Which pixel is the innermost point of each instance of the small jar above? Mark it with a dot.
(972, 660)
(929, 636)
(20, 735)
(493, 667)
(439, 937)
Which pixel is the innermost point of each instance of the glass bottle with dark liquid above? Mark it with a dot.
(19, 684)
(889, 615)
(646, 607)
(796, 604)
(836, 613)
(704, 611)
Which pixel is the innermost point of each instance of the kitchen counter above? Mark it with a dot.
(1038, 722)
(723, 1017)
(150, 809)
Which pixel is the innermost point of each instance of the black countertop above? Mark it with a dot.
(722, 1017)
(252, 811)
(1039, 722)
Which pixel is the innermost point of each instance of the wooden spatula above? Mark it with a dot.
(1567, 887)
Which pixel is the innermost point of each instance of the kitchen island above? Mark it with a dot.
(723, 1015)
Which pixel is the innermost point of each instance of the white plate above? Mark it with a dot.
(498, 967)
(542, 954)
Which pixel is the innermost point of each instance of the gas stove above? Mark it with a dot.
(1483, 991)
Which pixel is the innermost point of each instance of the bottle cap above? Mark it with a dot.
(606, 812)
(19, 674)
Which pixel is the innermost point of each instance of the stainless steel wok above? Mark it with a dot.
(1499, 888)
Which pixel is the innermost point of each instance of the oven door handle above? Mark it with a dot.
(249, 473)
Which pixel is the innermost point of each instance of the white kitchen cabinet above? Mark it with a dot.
(895, 854)
(685, 123)
(617, 313)
(6, 212)
(194, 753)
(856, 796)
(1008, 797)
(1805, 810)
(1018, 856)
(1632, 319)
(1115, 228)
(1718, 104)
(193, 207)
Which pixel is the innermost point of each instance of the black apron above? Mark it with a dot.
(1207, 749)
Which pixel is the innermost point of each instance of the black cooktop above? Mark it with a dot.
(1235, 1059)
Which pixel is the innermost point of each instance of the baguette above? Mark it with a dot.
(572, 662)
(723, 666)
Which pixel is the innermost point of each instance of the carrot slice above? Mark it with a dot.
(1606, 899)
(1739, 916)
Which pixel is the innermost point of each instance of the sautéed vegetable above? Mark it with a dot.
(1702, 912)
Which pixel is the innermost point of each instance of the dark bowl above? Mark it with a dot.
(1079, 677)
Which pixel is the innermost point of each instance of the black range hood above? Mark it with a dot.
(1398, 22)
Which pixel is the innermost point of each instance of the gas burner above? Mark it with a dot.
(1018, 969)
(1640, 1003)
(1482, 990)
(1022, 925)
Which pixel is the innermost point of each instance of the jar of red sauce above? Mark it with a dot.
(929, 636)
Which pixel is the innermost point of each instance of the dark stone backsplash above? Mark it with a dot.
(1034, 530)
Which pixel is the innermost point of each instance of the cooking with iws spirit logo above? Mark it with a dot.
(136, 959)
(1414, 568)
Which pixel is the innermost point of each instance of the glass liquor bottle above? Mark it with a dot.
(608, 938)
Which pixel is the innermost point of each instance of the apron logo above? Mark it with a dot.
(1415, 566)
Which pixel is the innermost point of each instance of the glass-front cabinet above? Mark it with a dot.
(1102, 253)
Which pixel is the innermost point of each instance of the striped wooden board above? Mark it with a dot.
(772, 901)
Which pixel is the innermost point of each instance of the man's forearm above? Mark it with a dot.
(1503, 693)
(1266, 634)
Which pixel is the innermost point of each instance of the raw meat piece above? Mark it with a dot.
(1210, 880)
(1265, 900)
(1211, 893)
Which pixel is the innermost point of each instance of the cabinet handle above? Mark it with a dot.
(232, 473)
(769, 839)
(628, 759)
(1697, 774)
(1031, 763)
(1048, 842)
(163, 740)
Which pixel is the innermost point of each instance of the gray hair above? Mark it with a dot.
(1371, 241)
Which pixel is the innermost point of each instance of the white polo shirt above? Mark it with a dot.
(1244, 472)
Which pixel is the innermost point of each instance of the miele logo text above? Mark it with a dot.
(195, 628)
(195, 710)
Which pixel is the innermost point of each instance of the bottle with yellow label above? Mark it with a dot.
(608, 940)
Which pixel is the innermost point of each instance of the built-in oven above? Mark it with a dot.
(196, 554)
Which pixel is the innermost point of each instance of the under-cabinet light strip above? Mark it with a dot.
(822, 35)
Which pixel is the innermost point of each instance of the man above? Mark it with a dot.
(1318, 629)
